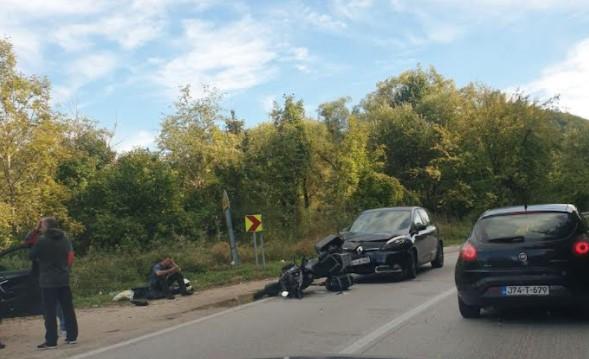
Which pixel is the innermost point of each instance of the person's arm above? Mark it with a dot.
(71, 255)
(33, 236)
(164, 272)
(175, 267)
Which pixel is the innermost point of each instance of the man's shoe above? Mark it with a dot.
(185, 294)
(71, 342)
(46, 346)
(2, 346)
(171, 296)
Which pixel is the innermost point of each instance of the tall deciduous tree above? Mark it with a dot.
(31, 148)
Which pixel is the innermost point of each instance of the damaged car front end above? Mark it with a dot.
(388, 240)
(385, 255)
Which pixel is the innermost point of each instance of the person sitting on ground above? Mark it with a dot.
(163, 274)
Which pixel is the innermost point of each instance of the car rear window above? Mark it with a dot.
(530, 226)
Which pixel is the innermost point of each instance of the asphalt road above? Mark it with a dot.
(378, 317)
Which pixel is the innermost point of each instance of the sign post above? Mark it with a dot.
(253, 224)
(232, 243)
(263, 253)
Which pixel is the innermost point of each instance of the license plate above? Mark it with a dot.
(359, 261)
(525, 290)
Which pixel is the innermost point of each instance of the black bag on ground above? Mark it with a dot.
(339, 283)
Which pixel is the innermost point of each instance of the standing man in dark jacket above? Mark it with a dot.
(30, 241)
(55, 255)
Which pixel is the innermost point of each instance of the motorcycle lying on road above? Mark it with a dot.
(295, 278)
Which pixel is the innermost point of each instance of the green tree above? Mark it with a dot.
(133, 202)
(205, 157)
(335, 115)
(31, 148)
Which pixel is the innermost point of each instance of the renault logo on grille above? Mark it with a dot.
(523, 257)
(359, 250)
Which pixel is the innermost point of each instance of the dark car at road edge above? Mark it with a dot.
(524, 256)
(395, 240)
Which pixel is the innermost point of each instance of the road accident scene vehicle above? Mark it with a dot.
(395, 240)
(19, 286)
(524, 256)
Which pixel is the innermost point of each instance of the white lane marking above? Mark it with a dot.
(360, 344)
(166, 330)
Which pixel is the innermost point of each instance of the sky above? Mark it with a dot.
(122, 63)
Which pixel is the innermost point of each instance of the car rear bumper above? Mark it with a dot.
(380, 262)
(488, 291)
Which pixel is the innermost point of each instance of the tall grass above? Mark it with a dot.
(99, 275)
(453, 231)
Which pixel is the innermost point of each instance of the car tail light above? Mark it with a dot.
(468, 253)
(581, 246)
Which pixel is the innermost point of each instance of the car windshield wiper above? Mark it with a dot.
(506, 239)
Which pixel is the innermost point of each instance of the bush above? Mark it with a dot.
(221, 253)
(304, 248)
(453, 231)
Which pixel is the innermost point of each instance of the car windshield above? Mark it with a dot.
(527, 227)
(388, 222)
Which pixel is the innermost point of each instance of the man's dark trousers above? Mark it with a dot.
(63, 295)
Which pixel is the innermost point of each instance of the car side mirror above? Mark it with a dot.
(420, 227)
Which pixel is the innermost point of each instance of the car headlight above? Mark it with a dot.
(399, 242)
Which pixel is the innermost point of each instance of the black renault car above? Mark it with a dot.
(522, 256)
(388, 240)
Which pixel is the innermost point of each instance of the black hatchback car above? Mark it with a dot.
(389, 240)
(522, 256)
(19, 288)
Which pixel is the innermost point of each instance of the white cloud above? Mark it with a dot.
(568, 79)
(301, 58)
(444, 21)
(82, 71)
(492, 7)
(44, 8)
(26, 45)
(232, 57)
(350, 9)
(300, 53)
(267, 103)
(130, 26)
(324, 21)
(92, 66)
(142, 139)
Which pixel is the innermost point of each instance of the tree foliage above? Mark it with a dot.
(417, 139)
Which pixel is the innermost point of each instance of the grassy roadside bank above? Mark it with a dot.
(98, 276)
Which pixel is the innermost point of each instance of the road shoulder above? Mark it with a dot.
(109, 325)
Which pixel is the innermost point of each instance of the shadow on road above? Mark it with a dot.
(534, 316)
